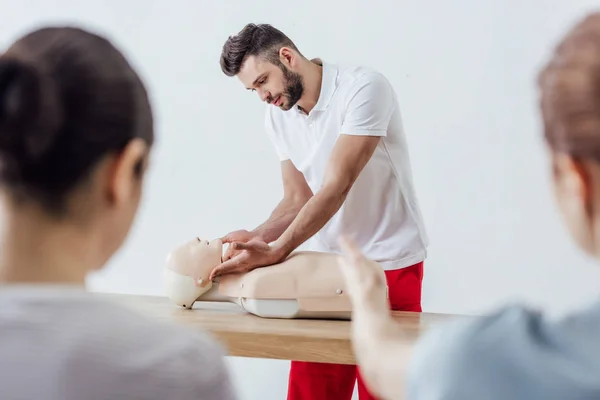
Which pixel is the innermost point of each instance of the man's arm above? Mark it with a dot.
(348, 158)
(296, 193)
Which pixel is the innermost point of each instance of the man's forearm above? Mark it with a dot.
(311, 218)
(279, 221)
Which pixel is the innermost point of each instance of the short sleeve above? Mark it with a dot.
(512, 354)
(370, 106)
(275, 139)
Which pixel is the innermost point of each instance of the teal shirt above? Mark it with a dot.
(514, 353)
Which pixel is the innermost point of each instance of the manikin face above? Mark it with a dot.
(196, 258)
(577, 193)
(188, 268)
(278, 85)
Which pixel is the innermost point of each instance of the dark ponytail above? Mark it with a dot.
(30, 116)
(67, 98)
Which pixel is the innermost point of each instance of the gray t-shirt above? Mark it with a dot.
(59, 342)
(515, 353)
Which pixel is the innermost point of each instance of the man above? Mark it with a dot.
(344, 161)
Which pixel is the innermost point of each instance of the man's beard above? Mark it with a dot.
(294, 88)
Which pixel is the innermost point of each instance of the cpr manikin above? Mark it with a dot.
(304, 285)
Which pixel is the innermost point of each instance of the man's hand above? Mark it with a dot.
(240, 236)
(250, 255)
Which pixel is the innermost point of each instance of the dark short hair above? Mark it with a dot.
(67, 99)
(261, 40)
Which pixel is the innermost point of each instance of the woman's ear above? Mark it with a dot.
(575, 177)
(128, 168)
(576, 193)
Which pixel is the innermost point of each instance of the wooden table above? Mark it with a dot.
(246, 335)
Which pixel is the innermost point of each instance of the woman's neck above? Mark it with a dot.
(35, 248)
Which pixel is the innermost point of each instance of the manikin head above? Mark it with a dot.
(187, 270)
(266, 61)
(570, 106)
(76, 131)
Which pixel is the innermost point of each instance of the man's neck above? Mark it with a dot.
(313, 77)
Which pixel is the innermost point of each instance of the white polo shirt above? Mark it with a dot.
(381, 212)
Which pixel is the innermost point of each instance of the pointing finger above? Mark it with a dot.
(357, 268)
(350, 248)
(350, 269)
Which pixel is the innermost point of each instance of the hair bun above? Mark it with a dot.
(30, 113)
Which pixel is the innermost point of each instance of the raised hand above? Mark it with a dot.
(376, 338)
(365, 279)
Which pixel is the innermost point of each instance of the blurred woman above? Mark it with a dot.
(514, 353)
(76, 134)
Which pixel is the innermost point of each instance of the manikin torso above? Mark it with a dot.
(304, 285)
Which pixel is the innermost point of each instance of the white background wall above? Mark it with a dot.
(465, 75)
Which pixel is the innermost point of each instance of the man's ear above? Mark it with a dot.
(287, 56)
(128, 168)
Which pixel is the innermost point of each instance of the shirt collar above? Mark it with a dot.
(328, 85)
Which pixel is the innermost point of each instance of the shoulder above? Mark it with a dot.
(354, 78)
(364, 88)
(509, 353)
(156, 359)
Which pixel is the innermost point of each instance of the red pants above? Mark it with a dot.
(319, 381)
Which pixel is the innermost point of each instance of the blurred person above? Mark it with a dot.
(76, 132)
(337, 131)
(514, 352)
